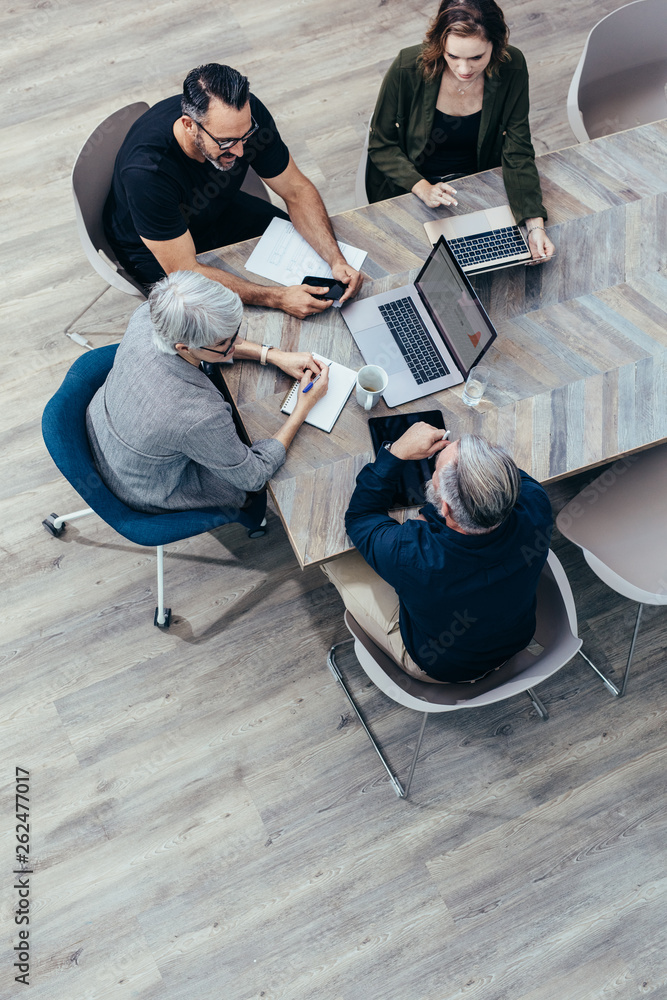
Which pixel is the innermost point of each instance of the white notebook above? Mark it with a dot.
(326, 411)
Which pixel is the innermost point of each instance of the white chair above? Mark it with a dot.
(620, 80)
(556, 632)
(91, 182)
(620, 523)
(360, 196)
(254, 185)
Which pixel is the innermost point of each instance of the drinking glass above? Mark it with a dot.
(475, 387)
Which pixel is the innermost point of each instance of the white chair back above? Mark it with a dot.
(620, 79)
(91, 181)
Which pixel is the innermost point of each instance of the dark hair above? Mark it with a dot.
(468, 18)
(213, 80)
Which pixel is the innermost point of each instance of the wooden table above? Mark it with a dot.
(580, 363)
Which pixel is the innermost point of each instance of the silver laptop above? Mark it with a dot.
(482, 241)
(427, 336)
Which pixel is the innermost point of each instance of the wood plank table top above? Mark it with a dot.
(580, 363)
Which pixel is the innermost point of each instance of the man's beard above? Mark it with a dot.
(218, 164)
(432, 495)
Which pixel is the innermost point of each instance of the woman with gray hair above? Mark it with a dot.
(162, 436)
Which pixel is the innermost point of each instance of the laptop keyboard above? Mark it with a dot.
(409, 331)
(484, 247)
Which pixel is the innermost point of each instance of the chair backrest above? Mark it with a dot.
(91, 182)
(555, 630)
(622, 72)
(360, 195)
(65, 436)
(255, 186)
(620, 522)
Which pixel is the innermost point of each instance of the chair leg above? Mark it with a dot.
(398, 788)
(75, 336)
(611, 687)
(539, 707)
(632, 650)
(162, 615)
(415, 755)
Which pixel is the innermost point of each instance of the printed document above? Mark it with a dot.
(283, 255)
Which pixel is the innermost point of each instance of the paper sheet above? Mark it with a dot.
(283, 255)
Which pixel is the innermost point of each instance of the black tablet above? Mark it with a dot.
(410, 487)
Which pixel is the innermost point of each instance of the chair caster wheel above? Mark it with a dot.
(51, 528)
(167, 618)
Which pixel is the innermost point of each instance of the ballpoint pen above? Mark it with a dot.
(311, 384)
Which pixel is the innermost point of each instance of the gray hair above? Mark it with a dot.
(481, 485)
(188, 308)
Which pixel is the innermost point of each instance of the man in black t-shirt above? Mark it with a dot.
(176, 190)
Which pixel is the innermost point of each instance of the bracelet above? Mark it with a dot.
(265, 350)
(533, 228)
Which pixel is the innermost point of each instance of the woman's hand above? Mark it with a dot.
(435, 195)
(294, 363)
(539, 243)
(306, 400)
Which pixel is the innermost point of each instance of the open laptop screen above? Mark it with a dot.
(454, 307)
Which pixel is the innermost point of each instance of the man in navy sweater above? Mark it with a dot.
(450, 595)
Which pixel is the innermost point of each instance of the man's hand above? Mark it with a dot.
(306, 400)
(295, 363)
(435, 195)
(347, 276)
(300, 301)
(419, 441)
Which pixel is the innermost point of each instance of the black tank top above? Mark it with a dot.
(452, 147)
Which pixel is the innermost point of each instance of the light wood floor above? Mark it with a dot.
(207, 820)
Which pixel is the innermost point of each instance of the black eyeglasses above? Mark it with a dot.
(223, 353)
(228, 143)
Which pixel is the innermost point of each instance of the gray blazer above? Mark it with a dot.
(162, 436)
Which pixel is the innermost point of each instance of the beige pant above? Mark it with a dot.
(374, 604)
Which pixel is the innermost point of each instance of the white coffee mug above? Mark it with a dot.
(371, 383)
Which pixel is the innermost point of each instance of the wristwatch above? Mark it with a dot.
(265, 350)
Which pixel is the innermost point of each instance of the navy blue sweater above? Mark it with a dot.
(467, 602)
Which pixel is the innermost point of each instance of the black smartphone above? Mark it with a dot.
(410, 487)
(336, 288)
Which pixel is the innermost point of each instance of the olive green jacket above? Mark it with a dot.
(403, 119)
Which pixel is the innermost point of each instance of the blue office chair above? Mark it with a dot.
(64, 433)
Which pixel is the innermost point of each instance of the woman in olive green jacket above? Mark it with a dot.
(463, 79)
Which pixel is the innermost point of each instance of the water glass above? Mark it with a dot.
(475, 387)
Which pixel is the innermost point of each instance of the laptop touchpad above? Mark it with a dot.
(378, 348)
